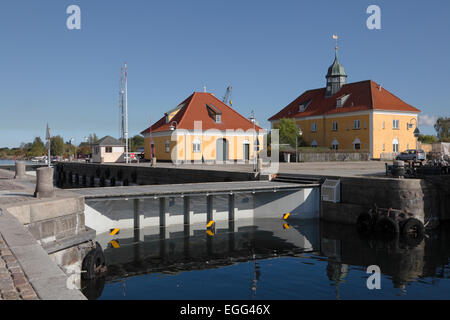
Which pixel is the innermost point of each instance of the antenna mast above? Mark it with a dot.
(121, 107)
(126, 115)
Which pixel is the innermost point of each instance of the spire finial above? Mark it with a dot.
(335, 37)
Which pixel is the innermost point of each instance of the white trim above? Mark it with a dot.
(355, 113)
(211, 132)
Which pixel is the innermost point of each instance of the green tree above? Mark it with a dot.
(427, 138)
(136, 142)
(288, 132)
(37, 148)
(442, 127)
(57, 146)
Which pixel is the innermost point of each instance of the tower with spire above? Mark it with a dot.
(336, 76)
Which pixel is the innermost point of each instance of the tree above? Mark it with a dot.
(442, 127)
(288, 132)
(427, 138)
(56, 146)
(136, 142)
(37, 148)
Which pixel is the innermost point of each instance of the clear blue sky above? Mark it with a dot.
(269, 51)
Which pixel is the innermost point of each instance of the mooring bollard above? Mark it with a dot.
(44, 183)
(20, 170)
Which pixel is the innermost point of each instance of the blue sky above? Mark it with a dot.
(269, 51)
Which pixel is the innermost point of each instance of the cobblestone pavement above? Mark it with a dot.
(14, 285)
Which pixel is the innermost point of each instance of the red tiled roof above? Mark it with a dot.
(195, 109)
(364, 95)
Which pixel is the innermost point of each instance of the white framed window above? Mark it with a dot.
(384, 124)
(356, 124)
(218, 118)
(335, 145)
(395, 124)
(357, 144)
(314, 127)
(167, 146)
(334, 126)
(197, 146)
(395, 145)
(384, 147)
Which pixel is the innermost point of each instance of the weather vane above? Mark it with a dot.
(335, 37)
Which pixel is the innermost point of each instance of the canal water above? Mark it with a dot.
(270, 259)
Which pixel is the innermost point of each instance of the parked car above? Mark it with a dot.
(412, 154)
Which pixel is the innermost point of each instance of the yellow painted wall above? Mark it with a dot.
(345, 133)
(386, 134)
(208, 150)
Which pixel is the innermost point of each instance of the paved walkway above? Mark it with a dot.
(26, 270)
(332, 168)
(14, 285)
(189, 188)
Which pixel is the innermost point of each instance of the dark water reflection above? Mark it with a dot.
(270, 260)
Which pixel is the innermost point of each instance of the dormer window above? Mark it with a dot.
(167, 118)
(303, 106)
(341, 101)
(214, 113)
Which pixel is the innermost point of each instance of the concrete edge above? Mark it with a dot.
(47, 279)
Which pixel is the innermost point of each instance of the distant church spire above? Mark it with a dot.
(336, 76)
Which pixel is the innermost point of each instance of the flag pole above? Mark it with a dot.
(47, 136)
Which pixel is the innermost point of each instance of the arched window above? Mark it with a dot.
(395, 145)
(197, 145)
(357, 144)
(335, 145)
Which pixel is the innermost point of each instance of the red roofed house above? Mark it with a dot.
(202, 128)
(354, 116)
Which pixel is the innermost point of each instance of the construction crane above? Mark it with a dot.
(227, 98)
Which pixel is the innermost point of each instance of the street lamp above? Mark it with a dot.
(174, 127)
(255, 153)
(300, 132)
(70, 151)
(410, 125)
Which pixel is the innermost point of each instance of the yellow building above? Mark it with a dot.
(360, 116)
(202, 129)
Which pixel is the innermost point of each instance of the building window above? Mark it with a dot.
(96, 149)
(395, 146)
(303, 106)
(357, 144)
(314, 144)
(335, 126)
(197, 146)
(356, 124)
(167, 146)
(384, 124)
(218, 118)
(384, 147)
(108, 149)
(314, 127)
(335, 145)
(395, 124)
(341, 101)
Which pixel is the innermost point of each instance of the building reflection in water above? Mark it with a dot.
(172, 251)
